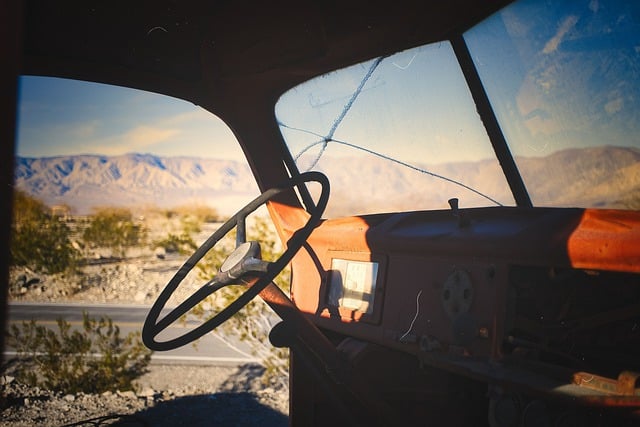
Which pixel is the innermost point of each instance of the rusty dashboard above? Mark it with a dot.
(490, 293)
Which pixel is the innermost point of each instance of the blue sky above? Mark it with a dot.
(63, 117)
(415, 107)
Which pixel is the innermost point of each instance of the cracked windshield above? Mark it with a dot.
(402, 133)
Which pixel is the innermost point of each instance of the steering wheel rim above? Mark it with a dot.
(152, 326)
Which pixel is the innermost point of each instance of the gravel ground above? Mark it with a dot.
(168, 395)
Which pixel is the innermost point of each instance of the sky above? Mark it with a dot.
(415, 106)
(67, 117)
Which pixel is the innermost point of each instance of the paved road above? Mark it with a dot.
(210, 349)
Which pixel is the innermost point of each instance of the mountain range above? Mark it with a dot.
(84, 182)
(601, 177)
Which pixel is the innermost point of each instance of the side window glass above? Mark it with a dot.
(124, 175)
(85, 145)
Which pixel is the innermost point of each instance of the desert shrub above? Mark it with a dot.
(113, 228)
(190, 225)
(202, 213)
(173, 243)
(39, 240)
(91, 360)
(254, 322)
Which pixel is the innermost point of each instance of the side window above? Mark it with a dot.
(118, 174)
(85, 145)
(114, 190)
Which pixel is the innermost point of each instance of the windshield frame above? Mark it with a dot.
(490, 122)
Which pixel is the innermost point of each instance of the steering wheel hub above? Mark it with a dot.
(243, 252)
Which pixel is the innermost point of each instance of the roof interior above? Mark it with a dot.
(188, 49)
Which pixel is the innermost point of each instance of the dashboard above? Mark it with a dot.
(463, 290)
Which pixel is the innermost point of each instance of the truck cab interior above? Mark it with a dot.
(456, 185)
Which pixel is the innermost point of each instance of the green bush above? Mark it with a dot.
(113, 228)
(91, 360)
(191, 225)
(39, 240)
(182, 244)
(202, 213)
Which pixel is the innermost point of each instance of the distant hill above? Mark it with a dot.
(599, 177)
(603, 176)
(595, 177)
(86, 181)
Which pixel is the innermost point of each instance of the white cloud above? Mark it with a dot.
(614, 106)
(84, 130)
(552, 45)
(188, 117)
(144, 136)
(138, 139)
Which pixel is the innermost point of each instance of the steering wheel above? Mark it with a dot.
(245, 261)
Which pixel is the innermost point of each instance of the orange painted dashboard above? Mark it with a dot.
(438, 279)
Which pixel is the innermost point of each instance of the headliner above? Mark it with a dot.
(195, 50)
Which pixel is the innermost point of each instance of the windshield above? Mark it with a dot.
(402, 132)
(394, 133)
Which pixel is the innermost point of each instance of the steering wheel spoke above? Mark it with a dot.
(243, 266)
